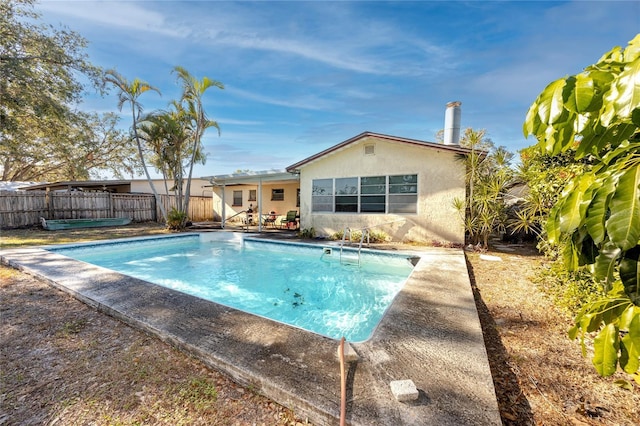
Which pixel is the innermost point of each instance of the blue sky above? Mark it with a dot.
(302, 76)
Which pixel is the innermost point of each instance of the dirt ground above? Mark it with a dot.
(539, 374)
(63, 363)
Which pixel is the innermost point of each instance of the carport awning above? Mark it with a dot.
(253, 178)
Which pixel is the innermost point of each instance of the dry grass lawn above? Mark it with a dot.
(64, 363)
(540, 375)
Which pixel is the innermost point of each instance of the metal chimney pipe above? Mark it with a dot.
(452, 123)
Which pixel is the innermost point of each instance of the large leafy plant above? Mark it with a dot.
(596, 115)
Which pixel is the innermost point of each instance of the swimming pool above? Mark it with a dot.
(303, 285)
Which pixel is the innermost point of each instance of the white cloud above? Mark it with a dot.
(115, 15)
(307, 101)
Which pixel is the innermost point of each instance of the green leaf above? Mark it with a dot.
(628, 90)
(573, 207)
(570, 256)
(597, 210)
(632, 51)
(627, 316)
(532, 121)
(551, 102)
(591, 322)
(580, 93)
(623, 226)
(630, 274)
(624, 384)
(631, 344)
(606, 261)
(606, 345)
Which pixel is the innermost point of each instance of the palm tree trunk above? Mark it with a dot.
(159, 203)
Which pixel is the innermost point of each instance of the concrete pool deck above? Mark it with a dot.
(431, 335)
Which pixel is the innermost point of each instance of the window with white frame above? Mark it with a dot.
(370, 194)
(346, 199)
(253, 193)
(403, 194)
(322, 195)
(373, 194)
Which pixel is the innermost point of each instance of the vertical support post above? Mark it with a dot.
(260, 205)
(224, 206)
(49, 203)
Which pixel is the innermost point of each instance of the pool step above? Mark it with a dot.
(350, 259)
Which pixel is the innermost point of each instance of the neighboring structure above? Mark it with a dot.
(200, 187)
(114, 186)
(403, 187)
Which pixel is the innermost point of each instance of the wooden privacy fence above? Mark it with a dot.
(25, 208)
(200, 208)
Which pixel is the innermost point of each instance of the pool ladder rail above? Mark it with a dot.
(345, 258)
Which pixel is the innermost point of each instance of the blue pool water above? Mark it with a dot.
(302, 285)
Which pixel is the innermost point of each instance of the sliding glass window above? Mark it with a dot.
(322, 195)
(373, 194)
(347, 195)
(403, 194)
(370, 194)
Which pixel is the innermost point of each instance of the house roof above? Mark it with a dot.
(245, 178)
(91, 185)
(430, 145)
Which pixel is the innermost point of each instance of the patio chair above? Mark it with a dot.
(290, 219)
(270, 219)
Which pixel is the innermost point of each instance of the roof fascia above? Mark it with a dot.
(424, 144)
(251, 177)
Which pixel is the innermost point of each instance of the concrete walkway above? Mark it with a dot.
(431, 335)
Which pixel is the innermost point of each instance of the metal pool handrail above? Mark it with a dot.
(344, 236)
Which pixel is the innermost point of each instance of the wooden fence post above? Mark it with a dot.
(111, 207)
(49, 202)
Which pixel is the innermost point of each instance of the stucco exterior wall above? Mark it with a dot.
(440, 181)
(268, 205)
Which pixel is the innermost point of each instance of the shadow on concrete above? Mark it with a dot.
(513, 405)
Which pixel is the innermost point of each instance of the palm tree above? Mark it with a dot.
(192, 91)
(129, 92)
(488, 175)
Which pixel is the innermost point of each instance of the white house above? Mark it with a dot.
(403, 187)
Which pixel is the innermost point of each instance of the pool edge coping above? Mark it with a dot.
(373, 367)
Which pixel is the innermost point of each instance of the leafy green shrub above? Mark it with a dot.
(374, 236)
(307, 233)
(176, 219)
(569, 290)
